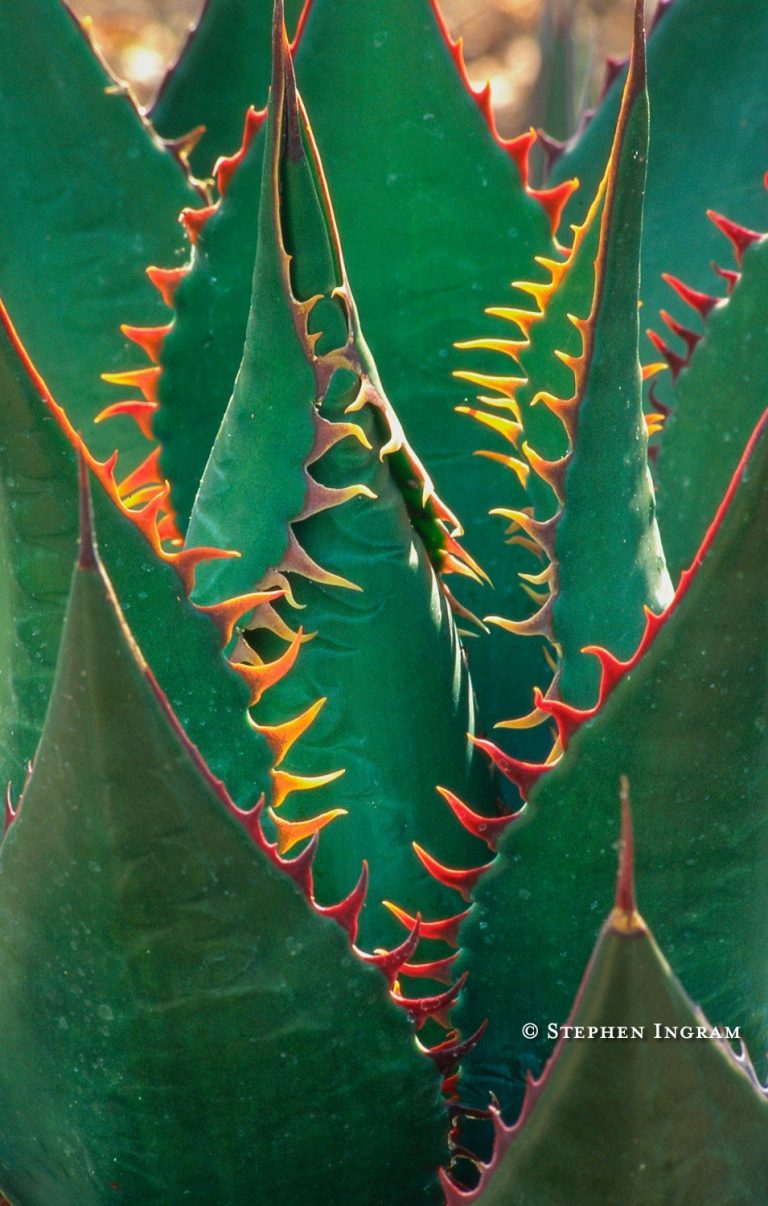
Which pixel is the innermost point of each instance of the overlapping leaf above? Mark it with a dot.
(709, 131)
(92, 198)
(192, 1029)
(686, 721)
(312, 482)
(38, 459)
(643, 1100)
(224, 66)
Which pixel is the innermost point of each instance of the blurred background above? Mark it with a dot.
(503, 43)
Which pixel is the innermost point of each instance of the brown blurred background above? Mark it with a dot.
(503, 42)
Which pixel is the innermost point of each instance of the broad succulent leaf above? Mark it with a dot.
(429, 187)
(310, 479)
(94, 199)
(38, 451)
(584, 465)
(644, 1102)
(718, 395)
(222, 69)
(685, 720)
(176, 988)
(709, 131)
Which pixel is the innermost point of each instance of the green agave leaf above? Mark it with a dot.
(166, 989)
(38, 449)
(718, 396)
(311, 480)
(643, 1100)
(95, 197)
(685, 720)
(224, 67)
(432, 190)
(709, 131)
(586, 465)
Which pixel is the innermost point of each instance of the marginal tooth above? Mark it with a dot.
(571, 362)
(675, 361)
(565, 408)
(269, 619)
(281, 737)
(141, 412)
(328, 434)
(535, 595)
(263, 675)
(391, 962)
(167, 281)
(542, 532)
(554, 200)
(284, 783)
(149, 339)
(452, 546)
(227, 614)
(531, 720)
(703, 303)
(437, 1007)
(297, 561)
(730, 277)
(650, 370)
(552, 472)
(518, 467)
(461, 880)
(186, 562)
(184, 146)
(523, 774)
(508, 428)
(581, 324)
(289, 833)
(439, 969)
(557, 268)
(524, 319)
(321, 498)
(740, 237)
(690, 338)
(148, 473)
(526, 543)
(502, 385)
(488, 829)
(449, 1054)
(541, 293)
(507, 347)
(545, 578)
(509, 404)
(519, 149)
(145, 380)
(445, 930)
(539, 624)
(455, 565)
(346, 912)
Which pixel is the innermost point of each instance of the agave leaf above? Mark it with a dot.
(224, 66)
(718, 396)
(705, 66)
(476, 224)
(685, 720)
(645, 1101)
(310, 477)
(38, 462)
(165, 988)
(95, 197)
(593, 513)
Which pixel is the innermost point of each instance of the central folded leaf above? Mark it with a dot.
(312, 482)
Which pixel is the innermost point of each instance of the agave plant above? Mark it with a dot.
(280, 919)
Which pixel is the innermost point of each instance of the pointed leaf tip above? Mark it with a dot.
(87, 556)
(625, 883)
